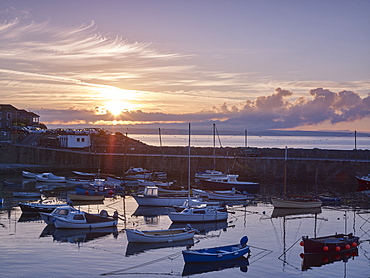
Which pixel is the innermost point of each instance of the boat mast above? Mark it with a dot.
(189, 168)
(214, 146)
(285, 161)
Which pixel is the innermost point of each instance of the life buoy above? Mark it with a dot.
(101, 188)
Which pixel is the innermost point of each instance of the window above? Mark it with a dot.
(78, 139)
(78, 217)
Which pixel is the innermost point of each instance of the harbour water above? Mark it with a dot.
(345, 142)
(30, 248)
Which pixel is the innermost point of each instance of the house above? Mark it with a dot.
(74, 141)
(11, 116)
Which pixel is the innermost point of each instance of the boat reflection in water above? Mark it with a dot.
(78, 235)
(198, 268)
(151, 214)
(134, 248)
(320, 259)
(204, 228)
(29, 217)
(283, 212)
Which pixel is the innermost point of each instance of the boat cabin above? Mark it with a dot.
(151, 191)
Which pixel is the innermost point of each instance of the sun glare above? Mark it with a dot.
(117, 106)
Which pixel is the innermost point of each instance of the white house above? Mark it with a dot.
(75, 141)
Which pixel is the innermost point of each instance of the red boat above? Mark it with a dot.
(363, 183)
(332, 243)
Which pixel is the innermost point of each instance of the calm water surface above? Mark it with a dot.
(29, 248)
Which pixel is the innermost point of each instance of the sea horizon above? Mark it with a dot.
(334, 142)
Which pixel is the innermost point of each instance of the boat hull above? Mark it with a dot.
(159, 201)
(169, 235)
(330, 243)
(281, 203)
(188, 216)
(80, 197)
(35, 207)
(250, 187)
(65, 224)
(220, 254)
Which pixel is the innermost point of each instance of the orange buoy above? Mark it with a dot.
(301, 243)
(301, 255)
(347, 246)
(86, 192)
(325, 248)
(354, 244)
(337, 248)
(337, 256)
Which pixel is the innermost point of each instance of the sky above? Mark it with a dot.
(248, 64)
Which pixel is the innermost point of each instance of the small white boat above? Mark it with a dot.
(61, 211)
(229, 182)
(224, 195)
(168, 235)
(49, 177)
(78, 181)
(208, 174)
(76, 219)
(150, 198)
(28, 175)
(143, 183)
(138, 173)
(199, 214)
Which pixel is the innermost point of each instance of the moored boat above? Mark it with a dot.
(296, 203)
(217, 254)
(68, 217)
(150, 198)
(49, 177)
(331, 243)
(38, 207)
(167, 235)
(207, 213)
(228, 183)
(224, 195)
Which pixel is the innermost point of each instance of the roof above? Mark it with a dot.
(8, 107)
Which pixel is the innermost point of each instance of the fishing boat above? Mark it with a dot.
(223, 195)
(70, 218)
(331, 243)
(38, 207)
(162, 184)
(229, 182)
(62, 211)
(167, 235)
(217, 254)
(150, 197)
(81, 197)
(49, 177)
(294, 202)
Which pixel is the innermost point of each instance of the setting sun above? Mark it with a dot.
(117, 106)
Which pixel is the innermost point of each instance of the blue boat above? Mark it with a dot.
(217, 254)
